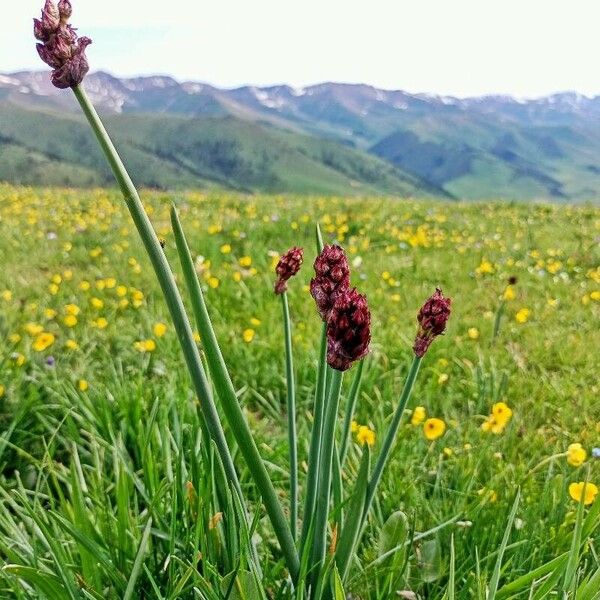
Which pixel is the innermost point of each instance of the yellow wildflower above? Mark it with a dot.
(70, 320)
(473, 333)
(365, 435)
(248, 335)
(245, 261)
(83, 385)
(509, 293)
(434, 428)
(522, 315)
(576, 455)
(43, 341)
(159, 329)
(576, 491)
(145, 346)
(418, 415)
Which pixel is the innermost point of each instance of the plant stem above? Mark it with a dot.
(291, 412)
(233, 412)
(384, 453)
(167, 283)
(312, 476)
(325, 474)
(349, 412)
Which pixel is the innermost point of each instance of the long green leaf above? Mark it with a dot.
(229, 401)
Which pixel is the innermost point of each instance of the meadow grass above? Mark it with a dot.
(103, 491)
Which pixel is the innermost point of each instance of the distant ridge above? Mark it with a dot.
(325, 138)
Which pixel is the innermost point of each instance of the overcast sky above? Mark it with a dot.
(459, 47)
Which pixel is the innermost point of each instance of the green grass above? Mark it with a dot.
(110, 491)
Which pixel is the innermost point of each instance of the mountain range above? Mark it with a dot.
(329, 138)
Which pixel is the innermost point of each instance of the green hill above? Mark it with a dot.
(169, 151)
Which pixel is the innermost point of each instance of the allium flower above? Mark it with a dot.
(432, 318)
(61, 49)
(348, 330)
(289, 264)
(332, 276)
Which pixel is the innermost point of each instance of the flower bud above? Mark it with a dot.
(65, 10)
(289, 264)
(61, 48)
(348, 330)
(432, 318)
(332, 276)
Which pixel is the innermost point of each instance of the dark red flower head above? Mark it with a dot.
(332, 276)
(61, 49)
(348, 329)
(289, 264)
(432, 318)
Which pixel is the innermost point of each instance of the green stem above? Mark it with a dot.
(384, 453)
(167, 283)
(325, 475)
(349, 412)
(315, 444)
(231, 407)
(291, 412)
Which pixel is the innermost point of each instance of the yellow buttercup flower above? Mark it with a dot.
(49, 313)
(72, 309)
(70, 320)
(248, 335)
(583, 491)
(434, 428)
(43, 341)
(245, 261)
(576, 455)
(509, 293)
(354, 427)
(523, 315)
(213, 282)
(473, 333)
(145, 346)
(83, 385)
(485, 267)
(71, 345)
(96, 303)
(502, 412)
(159, 329)
(33, 329)
(418, 415)
(100, 323)
(365, 435)
(226, 248)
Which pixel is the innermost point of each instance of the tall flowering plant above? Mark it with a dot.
(346, 334)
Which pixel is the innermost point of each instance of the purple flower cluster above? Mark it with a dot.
(60, 47)
(345, 311)
(332, 276)
(289, 264)
(432, 318)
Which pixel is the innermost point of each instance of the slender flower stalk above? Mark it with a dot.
(288, 266)
(166, 280)
(349, 411)
(291, 414)
(325, 475)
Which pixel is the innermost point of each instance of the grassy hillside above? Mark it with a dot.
(167, 151)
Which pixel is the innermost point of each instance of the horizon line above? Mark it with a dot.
(320, 83)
